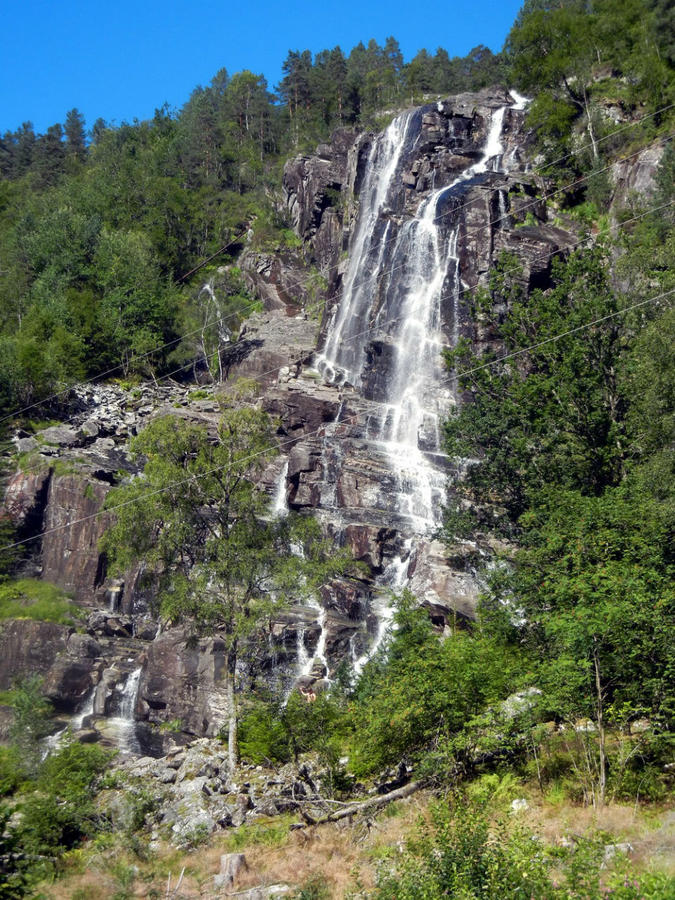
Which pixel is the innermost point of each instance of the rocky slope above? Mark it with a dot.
(340, 456)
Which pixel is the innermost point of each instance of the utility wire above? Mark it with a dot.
(514, 270)
(94, 378)
(253, 456)
(559, 337)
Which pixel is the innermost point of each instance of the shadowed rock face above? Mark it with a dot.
(336, 427)
(70, 556)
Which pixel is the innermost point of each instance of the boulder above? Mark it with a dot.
(231, 867)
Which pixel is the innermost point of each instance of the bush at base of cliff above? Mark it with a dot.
(463, 853)
(59, 812)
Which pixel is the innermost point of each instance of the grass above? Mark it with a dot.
(41, 601)
(342, 859)
(271, 832)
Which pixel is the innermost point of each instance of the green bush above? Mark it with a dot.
(463, 854)
(426, 693)
(60, 812)
(314, 888)
(263, 737)
(11, 771)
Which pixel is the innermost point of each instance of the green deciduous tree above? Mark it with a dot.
(197, 519)
(31, 711)
(416, 698)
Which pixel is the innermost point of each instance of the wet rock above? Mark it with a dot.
(68, 682)
(25, 499)
(633, 178)
(312, 184)
(83, 646)
(185, 683)
(60, 436)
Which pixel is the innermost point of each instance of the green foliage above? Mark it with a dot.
(13, 880)
(57, 813)
(425, 694)
(265, 833)
(574, 59)
(11, 770)
(278, 732)
(56, 797)
(29, 598)
(313, 888)
(462, 853)
(572, 438)
(263, 736)
(197, 519)
(31, 719)
(553, 414)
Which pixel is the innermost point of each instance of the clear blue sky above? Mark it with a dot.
(122, 59)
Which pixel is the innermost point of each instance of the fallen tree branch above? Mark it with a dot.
(372, 803)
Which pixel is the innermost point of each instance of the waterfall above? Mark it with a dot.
(304, 660)
(391, 582)
(77, 721)
(53, 741)
(320, 651)
(124, 724)
(402, 280)
(342, 357)
(521, 102)
(280, 500)
(305, 664)
(503, 220)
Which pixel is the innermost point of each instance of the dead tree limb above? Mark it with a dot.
(372, 803)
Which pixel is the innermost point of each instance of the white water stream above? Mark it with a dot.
(123, 725)
(397, 284)
(53, 741)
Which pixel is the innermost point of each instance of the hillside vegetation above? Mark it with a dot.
(561, 693)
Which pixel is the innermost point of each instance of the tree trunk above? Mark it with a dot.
(602, 778)
(232, 748)
(373, 803)
(591, 133)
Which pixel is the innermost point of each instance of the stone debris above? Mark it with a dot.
(194, 793)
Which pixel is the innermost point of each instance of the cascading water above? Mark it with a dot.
(342, 358)
(320, 650)
(393, 579)
(280, 500)
(53, 741)
(124, 724)
(399, 281)
(87, 710)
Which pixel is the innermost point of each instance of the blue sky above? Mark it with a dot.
(120, 60)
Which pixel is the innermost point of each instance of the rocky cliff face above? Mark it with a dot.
(397, 231)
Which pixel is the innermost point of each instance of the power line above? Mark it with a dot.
(514, 270)
(94, 378)
(316, 431)
(601, 140)
(333, 269)
(558, 337)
